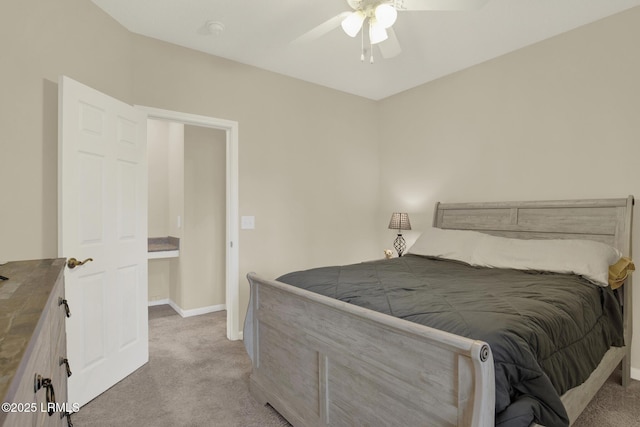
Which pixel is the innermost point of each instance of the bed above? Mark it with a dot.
(322, 361)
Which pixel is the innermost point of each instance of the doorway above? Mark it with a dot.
(230, 129)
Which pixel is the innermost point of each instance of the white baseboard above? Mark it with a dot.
(635, 373)
(188, 313)
(159, 302)
(196, 311)
(241, 335)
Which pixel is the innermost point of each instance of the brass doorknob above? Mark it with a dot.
(73, 263)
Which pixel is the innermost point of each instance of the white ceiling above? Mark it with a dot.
(434, 43)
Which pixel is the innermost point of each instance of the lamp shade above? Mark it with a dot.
(377, 32)
(352, 23)
(386, 15)
(399, 221)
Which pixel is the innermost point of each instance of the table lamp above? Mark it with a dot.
(399, 221)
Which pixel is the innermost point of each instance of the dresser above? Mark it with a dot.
(33, 362)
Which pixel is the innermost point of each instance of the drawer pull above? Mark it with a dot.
(65, 361)
(62, 301)
(40, 382)
(68, 415)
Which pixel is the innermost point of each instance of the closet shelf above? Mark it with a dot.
(163, 247)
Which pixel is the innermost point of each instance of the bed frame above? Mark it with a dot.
(320, 361)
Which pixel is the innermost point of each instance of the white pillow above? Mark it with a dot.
(582, 257)
(451, 244)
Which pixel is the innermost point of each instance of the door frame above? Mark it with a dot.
(232, 294)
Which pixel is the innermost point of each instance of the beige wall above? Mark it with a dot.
(158, 204)
(39, 40)
(176, 205)
(557, 120)
(158, 161)
(203, 249)
(166, 194)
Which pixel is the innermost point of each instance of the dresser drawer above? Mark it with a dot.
(34, 344)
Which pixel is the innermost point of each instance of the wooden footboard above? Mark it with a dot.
(319, 361)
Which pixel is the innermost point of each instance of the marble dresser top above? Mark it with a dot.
(159, 244)
(22, 300)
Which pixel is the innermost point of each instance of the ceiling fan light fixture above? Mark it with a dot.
(377, 32)
(386, 14)
(353, 23)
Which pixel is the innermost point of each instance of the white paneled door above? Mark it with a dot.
(102, 196)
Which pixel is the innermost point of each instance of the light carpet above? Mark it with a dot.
(196, 377)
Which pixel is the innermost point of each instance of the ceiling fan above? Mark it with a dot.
(379, 16)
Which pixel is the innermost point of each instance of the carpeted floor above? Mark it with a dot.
(196, 377)
(613, 406)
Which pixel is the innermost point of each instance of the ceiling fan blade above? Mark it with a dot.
(439, 4)
(391, 46)
(322, 29)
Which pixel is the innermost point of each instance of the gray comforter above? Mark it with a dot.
(547, 331)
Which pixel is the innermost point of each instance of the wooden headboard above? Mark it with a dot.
(602, 220)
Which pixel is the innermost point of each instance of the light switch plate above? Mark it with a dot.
(247, 222)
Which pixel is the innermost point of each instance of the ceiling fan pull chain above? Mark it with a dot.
(362, 46)
(370, 44)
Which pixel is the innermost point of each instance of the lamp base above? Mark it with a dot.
(400, 244)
